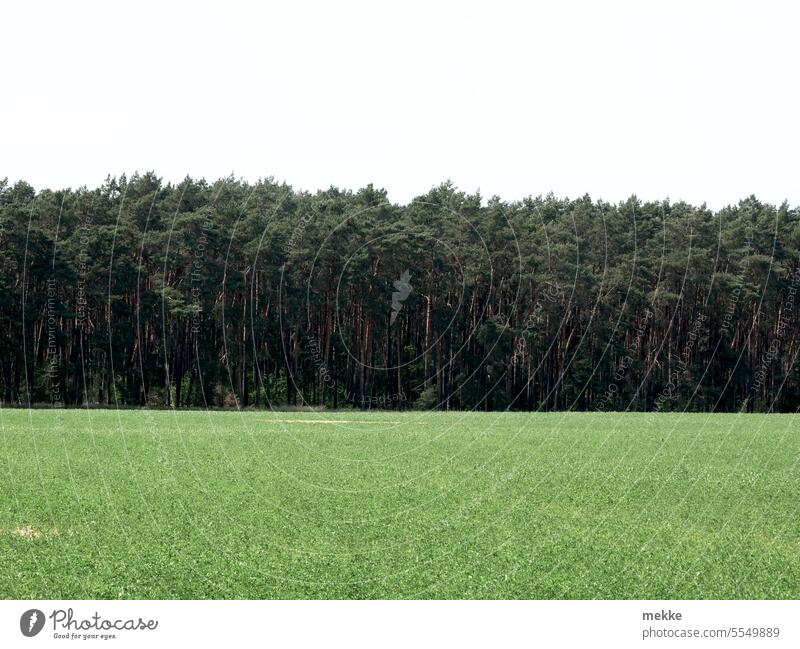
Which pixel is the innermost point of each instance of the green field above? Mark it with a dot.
(155, 504)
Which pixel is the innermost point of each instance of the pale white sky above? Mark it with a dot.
(687, 100)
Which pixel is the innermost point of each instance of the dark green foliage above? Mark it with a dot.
(237, 294)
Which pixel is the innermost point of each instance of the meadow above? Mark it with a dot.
(158, 504)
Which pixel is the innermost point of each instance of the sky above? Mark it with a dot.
(693, 101)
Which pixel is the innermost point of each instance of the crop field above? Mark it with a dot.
(160, 504)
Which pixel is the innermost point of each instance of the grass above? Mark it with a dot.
(105, 504)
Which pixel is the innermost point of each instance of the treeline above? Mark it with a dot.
(231, 294)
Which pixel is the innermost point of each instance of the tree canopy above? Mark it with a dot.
(237, 294)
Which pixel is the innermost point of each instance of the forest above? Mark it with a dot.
(227, 294)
